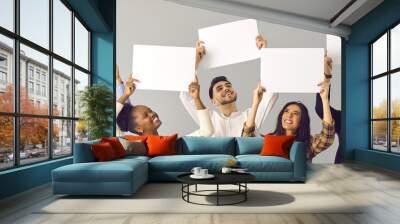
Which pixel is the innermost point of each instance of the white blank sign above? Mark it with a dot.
(334, 48)
(229, 43)
(163, 68)
(292, 70)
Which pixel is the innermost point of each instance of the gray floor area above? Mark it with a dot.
(379, 189)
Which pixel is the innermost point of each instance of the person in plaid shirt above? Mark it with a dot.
(294, 119)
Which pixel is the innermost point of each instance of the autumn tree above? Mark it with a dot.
(33, 131)
(380, 127)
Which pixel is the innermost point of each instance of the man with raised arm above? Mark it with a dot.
(229, 121)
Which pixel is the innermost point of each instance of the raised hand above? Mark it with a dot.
(118, 76)
(324, 89)
(194, 88)
(258, 93)
(130, 86)
(200, 52)
(261, 42)
(327, 66)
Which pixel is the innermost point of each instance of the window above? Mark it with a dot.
(37, 89)
(44, 91)
(81, 81)
(81, 45)
(30, 87)
(30, 72)
(38, 74)
(62, 29)
(3, 61)
(62, 76)
(3, 78)
(62, 137)
(43, 77)
(34, 21)
(385, 94)
(43, 125)
(6, 73)
(7, 14)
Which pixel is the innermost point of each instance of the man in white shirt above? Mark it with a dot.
(229, 121)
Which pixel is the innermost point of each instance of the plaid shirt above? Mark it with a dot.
(318, 142)
(321, 141)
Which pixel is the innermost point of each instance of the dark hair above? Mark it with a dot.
(303, 132)
(124, 119)
(215, 81)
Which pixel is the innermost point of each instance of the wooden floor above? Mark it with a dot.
(377, 188)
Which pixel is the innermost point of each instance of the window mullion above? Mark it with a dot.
(389, 114)
(50, 81)
(73, 82)
(16, 85)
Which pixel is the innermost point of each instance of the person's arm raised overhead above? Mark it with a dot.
(200, 52)
(119, 84)
(129, 89)
(325, 138)
(188, 102)
(203, 115)
(269, 98)
(249, 125)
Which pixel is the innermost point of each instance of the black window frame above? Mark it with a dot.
(388, 74)
(16, 114)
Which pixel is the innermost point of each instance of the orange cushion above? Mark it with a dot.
(161, 145)
(116, 145)
(277, 145)
(135, 138)
(103, 151)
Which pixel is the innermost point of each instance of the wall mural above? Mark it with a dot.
(212, 106)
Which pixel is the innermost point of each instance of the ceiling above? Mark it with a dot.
(326, 16)
(319, 9)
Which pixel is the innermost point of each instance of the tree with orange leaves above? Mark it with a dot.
(33, 130)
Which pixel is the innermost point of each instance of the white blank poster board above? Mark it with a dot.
(163, 68)
(229, 43)
(292, 70)
(334, 48)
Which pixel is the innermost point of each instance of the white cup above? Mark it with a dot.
(196, 171)
(226, 170)
(203, 172)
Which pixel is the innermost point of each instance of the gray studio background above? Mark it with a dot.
(158, 22)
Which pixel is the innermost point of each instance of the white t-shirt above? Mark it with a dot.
(231, 126)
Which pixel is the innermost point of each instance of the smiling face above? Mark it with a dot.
(291, 118)
(145, 120)
(223, 93)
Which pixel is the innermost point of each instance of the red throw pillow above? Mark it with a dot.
(135, 138)
(161, 145)
(103, 152)
(275, 145)
(116, 145)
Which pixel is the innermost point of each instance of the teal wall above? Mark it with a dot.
(356, 84)
(24, 178)
(99, 16)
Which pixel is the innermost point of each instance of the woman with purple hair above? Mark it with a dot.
(294, 120)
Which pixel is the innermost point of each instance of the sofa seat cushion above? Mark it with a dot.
(185, 163)
(112, 171)
(257, 163)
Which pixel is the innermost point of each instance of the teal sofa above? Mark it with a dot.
(125, 176)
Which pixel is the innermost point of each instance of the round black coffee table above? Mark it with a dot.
(238, 179)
